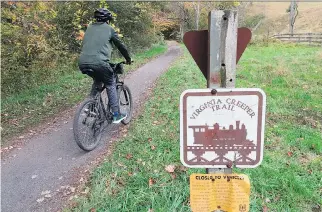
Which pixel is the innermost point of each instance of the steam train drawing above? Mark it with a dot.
(221, 142)
(213, 136)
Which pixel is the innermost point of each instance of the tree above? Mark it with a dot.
(293, 14)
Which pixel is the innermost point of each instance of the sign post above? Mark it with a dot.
(221, 127)
(222, 55)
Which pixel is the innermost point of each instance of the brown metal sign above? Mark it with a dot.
(197, 44)
(222, 129)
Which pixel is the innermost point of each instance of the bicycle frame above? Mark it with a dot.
(120, 84)
(100, 104)
(101, 108)
(98, 98)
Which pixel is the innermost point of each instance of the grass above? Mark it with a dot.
(133, 177)
(25, 110)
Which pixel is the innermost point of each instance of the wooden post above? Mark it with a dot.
(292, 16)
(222, 40)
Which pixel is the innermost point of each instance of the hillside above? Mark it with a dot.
(277, 20)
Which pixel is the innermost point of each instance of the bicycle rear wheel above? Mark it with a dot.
(126, 103)
(87, 125)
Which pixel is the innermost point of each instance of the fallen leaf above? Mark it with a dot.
(45, 192)
(129, 156)
(85, 191)
(183, 168)
(170, 168)
(74, 204)
(48, 100)
(130, 174)
(151, 182)
(72, 189)
(277, 198)
(120, 182)
(40, 200)
(120, 164)
(265, 209)
(153, 147)
(149, 139)
(34, 176)
(289, 154)
(173, 176)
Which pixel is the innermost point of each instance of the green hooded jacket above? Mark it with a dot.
(97, 45)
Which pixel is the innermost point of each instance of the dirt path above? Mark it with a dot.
(40, 175)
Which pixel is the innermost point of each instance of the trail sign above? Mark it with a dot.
(224, 128)
(219, 192)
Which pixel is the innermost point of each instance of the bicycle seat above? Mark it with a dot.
(86, 71)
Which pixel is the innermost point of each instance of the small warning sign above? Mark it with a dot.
(219, 192)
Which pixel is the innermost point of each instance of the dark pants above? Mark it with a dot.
(103, 74)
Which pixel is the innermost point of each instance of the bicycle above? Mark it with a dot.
(93, 113)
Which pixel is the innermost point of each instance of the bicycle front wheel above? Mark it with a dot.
(87, 125)
(126, 103)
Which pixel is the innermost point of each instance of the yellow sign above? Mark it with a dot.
(219, 192)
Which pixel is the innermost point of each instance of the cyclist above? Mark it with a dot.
(96, 55)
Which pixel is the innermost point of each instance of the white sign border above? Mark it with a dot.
(208, 90)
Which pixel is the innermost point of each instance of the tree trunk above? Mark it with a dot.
(292, 16)
(197, 15)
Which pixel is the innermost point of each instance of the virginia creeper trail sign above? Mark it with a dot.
(222, 129)
(219, 192)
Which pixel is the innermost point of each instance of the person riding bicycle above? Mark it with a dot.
(96, 54)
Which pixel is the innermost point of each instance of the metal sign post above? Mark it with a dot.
(221, 72)
(221, 127)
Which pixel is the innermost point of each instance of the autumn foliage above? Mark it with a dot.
(38, 38)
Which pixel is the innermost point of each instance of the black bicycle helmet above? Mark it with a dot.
(103, 15)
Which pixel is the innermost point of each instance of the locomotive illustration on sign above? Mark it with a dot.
(221, 141)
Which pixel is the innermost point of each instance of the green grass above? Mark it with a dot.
(24, 110)
(283, 182)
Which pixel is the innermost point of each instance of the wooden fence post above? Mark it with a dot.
(222, 40)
